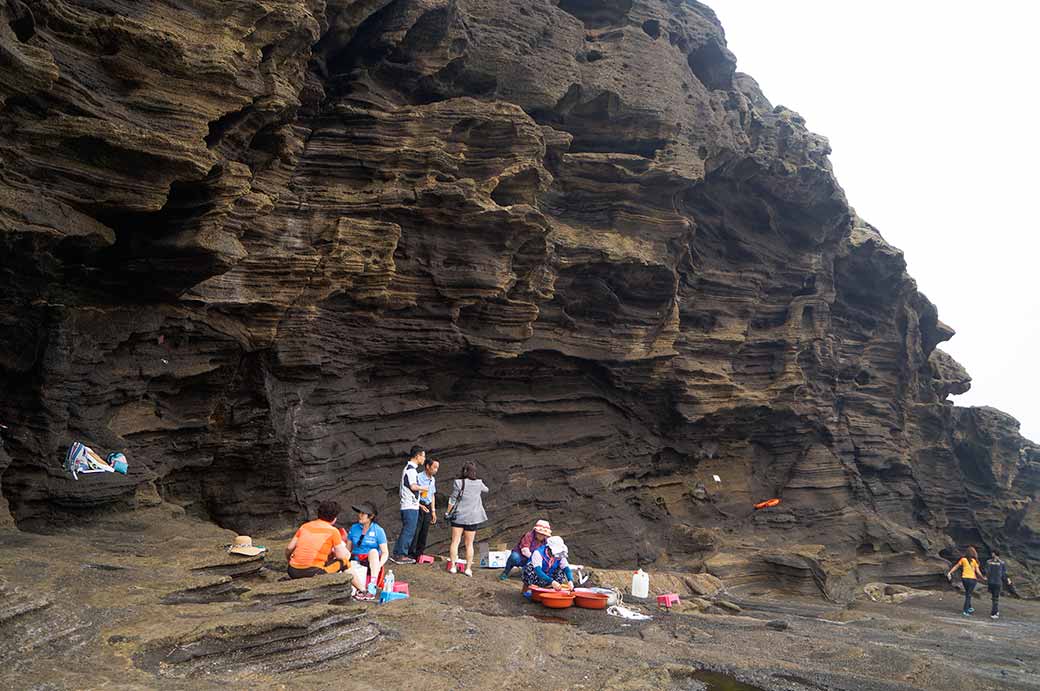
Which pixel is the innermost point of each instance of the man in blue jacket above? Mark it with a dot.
(996, 577)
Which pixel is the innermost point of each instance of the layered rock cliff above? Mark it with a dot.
(264, 246)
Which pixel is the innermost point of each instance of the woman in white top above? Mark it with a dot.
(548, 567)
(467, 501)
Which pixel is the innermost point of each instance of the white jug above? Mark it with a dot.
(640, 584)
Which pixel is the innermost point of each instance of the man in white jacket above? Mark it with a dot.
(410, 489)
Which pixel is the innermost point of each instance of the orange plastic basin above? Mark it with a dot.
(536, 593)
(591, 600)
(557, 600)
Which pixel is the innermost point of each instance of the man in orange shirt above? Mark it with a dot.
(318, 547)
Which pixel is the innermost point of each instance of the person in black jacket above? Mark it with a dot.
(996, 577)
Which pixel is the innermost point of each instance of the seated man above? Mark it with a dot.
(367, 544)
(317, 546)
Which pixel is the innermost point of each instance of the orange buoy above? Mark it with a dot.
(767, 503)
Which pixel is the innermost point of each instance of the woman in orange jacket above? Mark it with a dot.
(970, 570)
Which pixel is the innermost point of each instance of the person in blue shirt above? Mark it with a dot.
(427, 506)
(366, 541)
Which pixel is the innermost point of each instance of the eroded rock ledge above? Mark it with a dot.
(263, 246)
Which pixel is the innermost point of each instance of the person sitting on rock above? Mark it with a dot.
(970, 570)
(317, 547)
(531, 541)
(549, 567)
(366, 541)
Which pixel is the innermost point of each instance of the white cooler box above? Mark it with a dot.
(494, 560)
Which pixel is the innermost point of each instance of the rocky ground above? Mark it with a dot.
(149, 599)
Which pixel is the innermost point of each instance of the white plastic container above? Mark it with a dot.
(494, 560)
(641, 584)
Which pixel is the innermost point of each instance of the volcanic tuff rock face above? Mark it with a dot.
(263, 246)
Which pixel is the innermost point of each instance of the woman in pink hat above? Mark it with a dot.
(530, 542)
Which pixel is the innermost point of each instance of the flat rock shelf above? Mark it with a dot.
(134, 628)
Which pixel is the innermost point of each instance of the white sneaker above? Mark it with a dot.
(468, 572)
(994, 616)
(453, 569)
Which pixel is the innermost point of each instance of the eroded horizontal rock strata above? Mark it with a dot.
(263, 246)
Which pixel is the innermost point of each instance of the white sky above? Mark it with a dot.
(932, 111)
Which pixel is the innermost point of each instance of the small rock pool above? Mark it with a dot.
(715, 681)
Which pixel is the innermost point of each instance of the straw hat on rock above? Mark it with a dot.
(244, 545)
